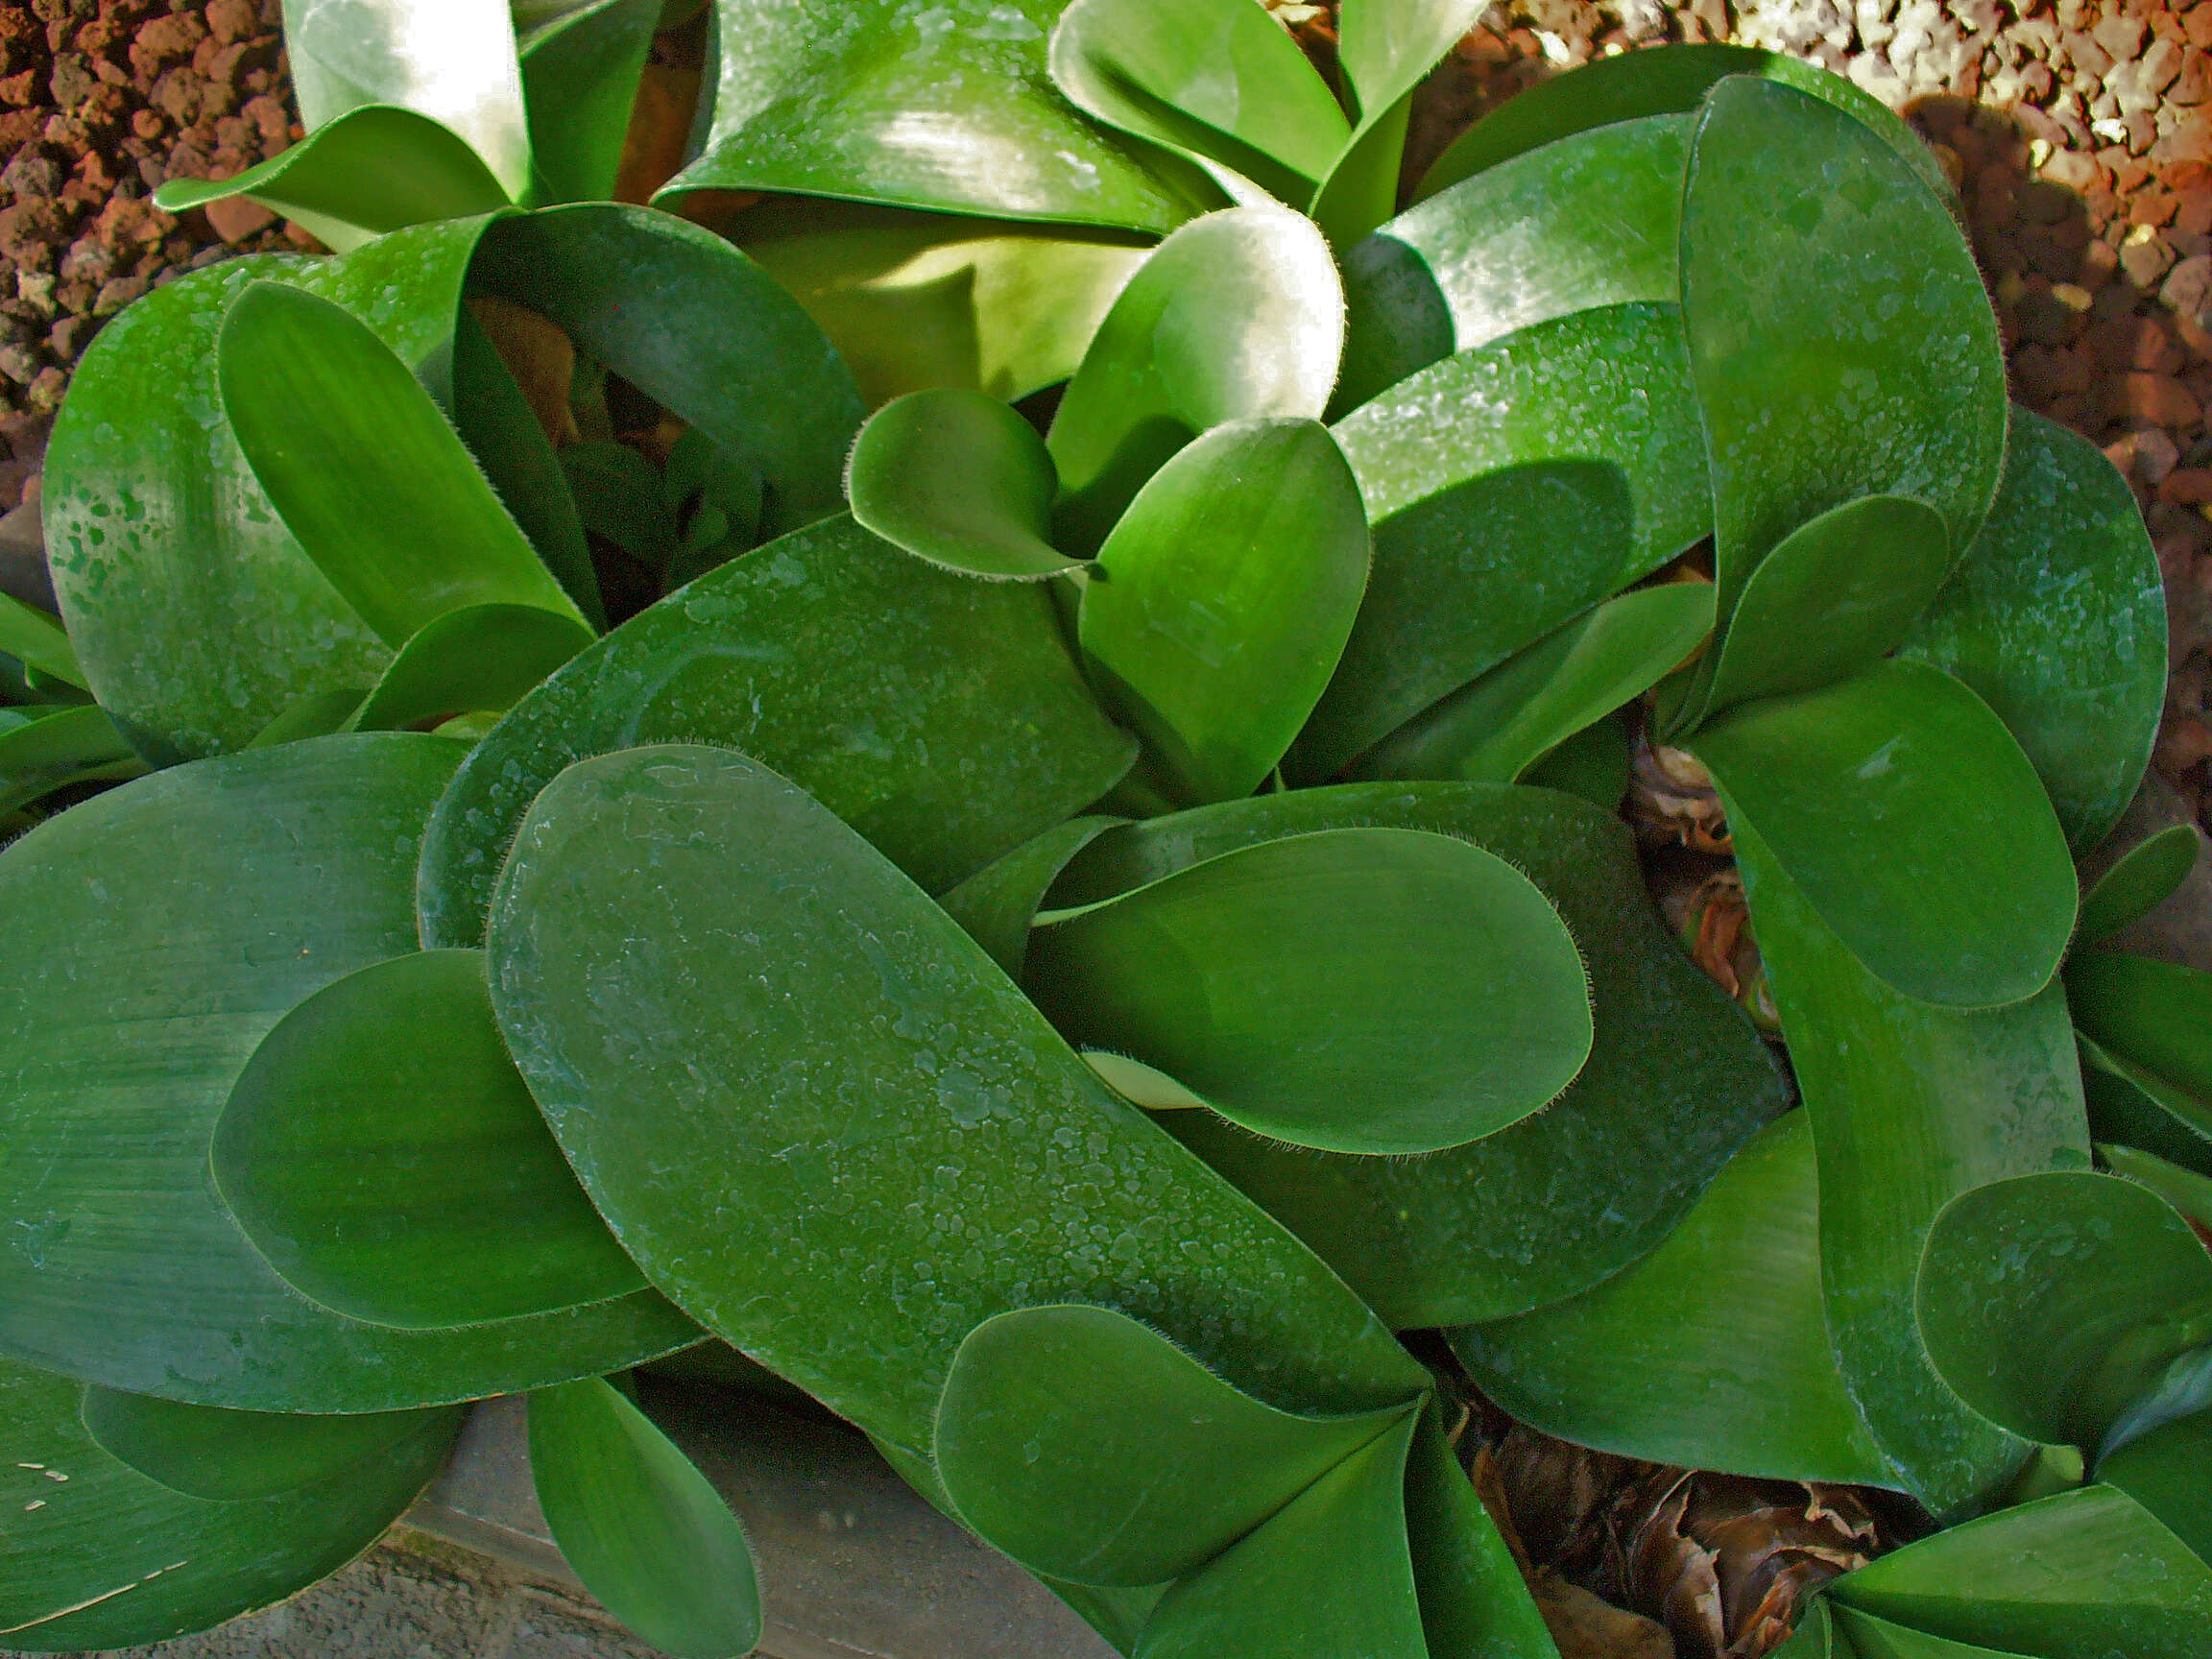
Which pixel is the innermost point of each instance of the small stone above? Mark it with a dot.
(2073, 170)
(2141, 132)
(116, 294)
(19, 363)
(2187, 290)
(2087, 58)
(2194, 84)
(2198, 26)
(70, 337)
(2156, 454)
(2153, 399)
(231, 19)
(2185, 487)
(236, 218)
(2184, 742)
(2122, 37)
(43, 396)
(36, 290)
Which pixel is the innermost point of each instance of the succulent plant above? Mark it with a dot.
(1093, 933)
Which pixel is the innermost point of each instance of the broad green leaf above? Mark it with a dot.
(1583, 223)
(1499, 726)
(1837, 593)
(95, 1555)
(1474, 1604)
(579, 84)
(1331, 1574)
(1676, 1079)
(373, 169)
(452, 60)
(2139, 1109)
(2083, 1575)
(481, 656)
(2051, 1303)
(1509, 489)
(360, 463)
(996, 905)
(37, 641)
(316, 715)
(2155, 1015)
(2140, 881)
(1840, 335)
(2164, 1472)
(1594, 764)
(412, 1186)
(204, 1452)
(794, 1033)
(914, 300)
(959, 479)
(140, 983)
(692, 323)
(2186, 1191)
(1861, 790)
(1362, 991)
(619, 496)
(1211, 80)
(1911, 1105)
(944, 718)
(1386, 48)
(2056, 618)
(1815, 1635)
(1092, 1449)
(1872, 1638)
(650, 1537)
(899, 102)
(72, 746)
(1362, 189)
(1237, 315)
(1712, 1352)
(1221, 601)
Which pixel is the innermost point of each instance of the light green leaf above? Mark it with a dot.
(95, 1555)
(1150, 1465)
(1222, 599)
(2056, 620)
(793, 1032)
(1861, 789)
(70, 746)
(961, 480)
(315, 714)
(2185, 1190)
(646, 1533)
(37, 641)
(2132, 1105)
(1815, 1635)
(996, 905)
(1363, 991)
(944, 718)
(413, 1187)
(1509, 489)
(2164, 1472)
(483, 656)
(1841, 339)
(1237, 315)
(1384, 50)
(2140, 881)
(140, 983)
(1501, 725)
(230, 1457)
(1712, 1352)
(579, 84)
(1676, 1079)
(2153, 1014)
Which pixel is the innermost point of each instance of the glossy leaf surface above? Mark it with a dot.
(105, 1557)
(2056, 620)
(2140, 881)
(1872, 1638)
(1474, 1604)
(2154, 1015)
(412, 1186)
(580, 84)
(1863, 787)
(1150, 1465)
(996, 905)
(2164, 1472)
(2051, 1303)
(1712, 1352)
(838, 1033)
(1236, 315)
(1675, 1082)
(71, 746)
(652, 1540)
(945, 718)
(1221, 601)
(1384, 53)
(480, 656)
(1509, 488)
(1841, 341)
(127, 1270)
(37, 641)
(961, 480)
(202, 1451)
(2185, 1190)
(2133, 1106)
(1363, 991)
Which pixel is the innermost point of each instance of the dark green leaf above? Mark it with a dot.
(1237, 315)
(1092, 1449)
(996, 905)
(316, 715)
(483, 656)
(1384, 50)
(37, 641)
(644, 1530)
(2186, 1191)
(1473, 1602)
(2057, 620)
(1594, 764)
(1509, 489)
(1815, 1635)
(2143, 878)
(1222, 599)
(795, 1034)
(1675, 1082)
(2153, 1014)
(892, 101)
(960, 479)
(1499, 727)
(1363, 991)
(412, 1186)
(1841, 341)
(361, 463)
(96, 1555)
(72, 746)
(579, 84)
(945, 718)
(204, 1452)
(1865, 789)
(160, 930)
(2164, 1472)
(2130, 1105)
(1872, 1638)
(1712, 1352)
(619, 495)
